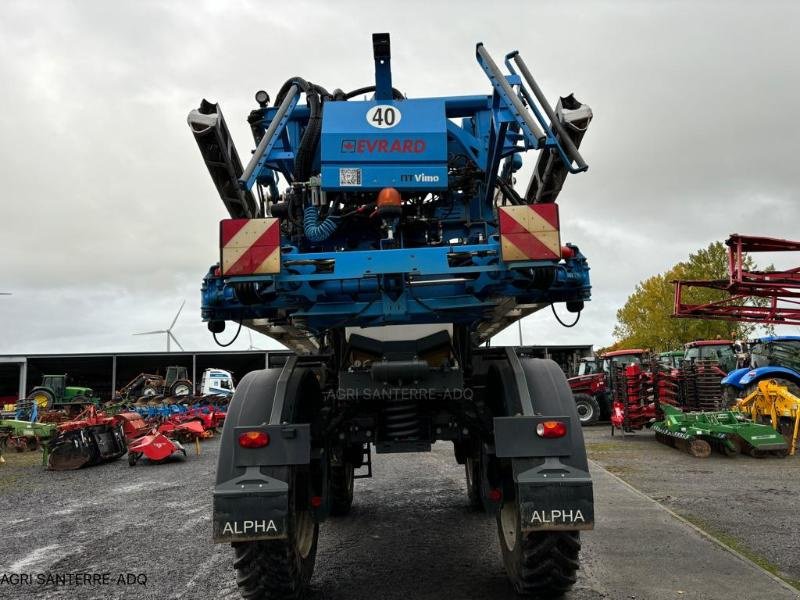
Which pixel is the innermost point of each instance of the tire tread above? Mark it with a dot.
(267, 570)
(549, 563)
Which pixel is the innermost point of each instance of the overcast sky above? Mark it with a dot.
(109, 218)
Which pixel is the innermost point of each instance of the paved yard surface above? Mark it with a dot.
(410, 534)
(746, 502)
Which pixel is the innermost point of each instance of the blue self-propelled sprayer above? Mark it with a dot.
(382, 239)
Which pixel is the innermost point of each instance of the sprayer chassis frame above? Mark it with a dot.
(353, 288)
(549, 478)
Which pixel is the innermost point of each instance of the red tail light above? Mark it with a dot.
(551, 429)
(316, 501)
(253, 439)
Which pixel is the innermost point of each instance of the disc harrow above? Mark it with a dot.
(727, 432)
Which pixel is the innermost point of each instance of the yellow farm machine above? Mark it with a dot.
(774, 404)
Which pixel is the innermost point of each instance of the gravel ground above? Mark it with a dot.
(747, 503)
(410, 534)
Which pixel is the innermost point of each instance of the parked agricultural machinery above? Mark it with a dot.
(593, 387)
(772, 358)
(698, 433)
(54, 394)
(772, 403)
(89, 439)
(720, 353)
(176, 382)
(24, 435)
(671, 359)
(395, 249)
(155, 446)
(96, 437)
(765, 297)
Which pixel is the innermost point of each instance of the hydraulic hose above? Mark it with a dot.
(397, 94)
(315, 96)
(307, 147)
(313, 229)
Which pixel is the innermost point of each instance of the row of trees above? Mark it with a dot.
(645, 320)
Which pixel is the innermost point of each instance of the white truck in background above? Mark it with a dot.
(217, 382)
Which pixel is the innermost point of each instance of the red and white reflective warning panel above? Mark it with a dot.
(250, 246)
(530, 232)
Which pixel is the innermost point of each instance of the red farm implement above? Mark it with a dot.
(155, 447)
(593, 388)
(133, 425)
(90, 439)
(157, 442)
(632, 406)
(768, 297)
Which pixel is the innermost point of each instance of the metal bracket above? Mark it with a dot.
(271, 135)
(534, 135)
(276, 415)
(381, 50)
(520, 381)
(566, 148)
(253, 481)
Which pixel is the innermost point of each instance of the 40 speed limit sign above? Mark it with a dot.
(383, 116)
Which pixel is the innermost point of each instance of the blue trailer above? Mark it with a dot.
(382, 239)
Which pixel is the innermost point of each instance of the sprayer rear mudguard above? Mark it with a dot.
(554, 492)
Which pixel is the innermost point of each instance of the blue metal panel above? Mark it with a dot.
(410, 154)
(764, 372)
(413, 285)
(733, 377)
(779, 338)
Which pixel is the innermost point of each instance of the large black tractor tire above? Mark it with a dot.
(277, 568)
(341, 489)
(182, 387)
(786, 428)
(588, 409)
(730, 394)
(539, 564)
(473, 468)
(280, 569)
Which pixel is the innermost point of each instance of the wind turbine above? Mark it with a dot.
(168, 330)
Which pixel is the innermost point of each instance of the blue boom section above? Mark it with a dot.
(396, 287)
(389, 213)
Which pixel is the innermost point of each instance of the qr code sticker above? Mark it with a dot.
(349, 176)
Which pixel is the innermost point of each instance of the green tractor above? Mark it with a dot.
(53, 393)
(671, 359)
